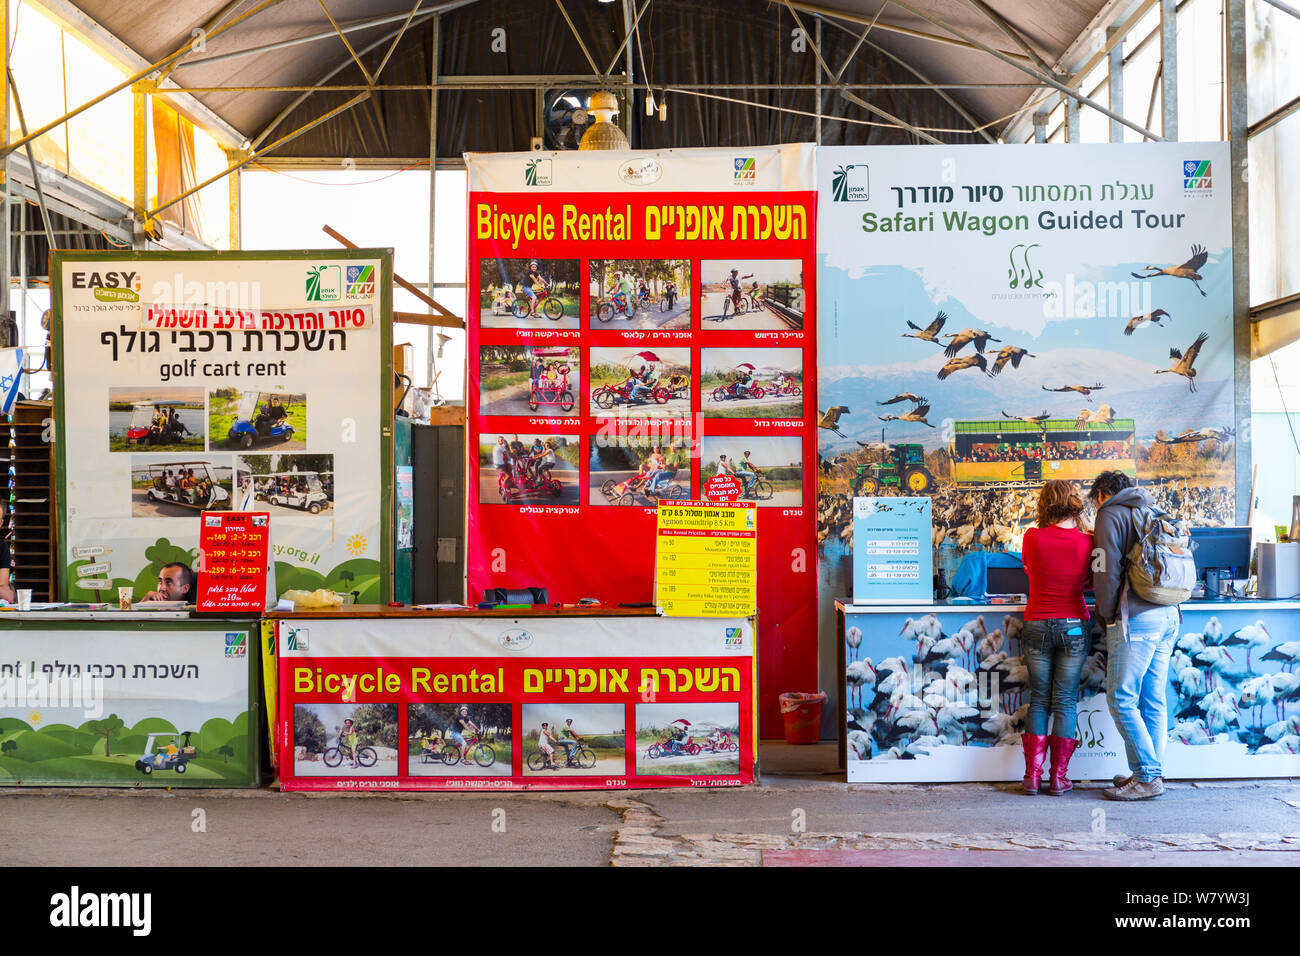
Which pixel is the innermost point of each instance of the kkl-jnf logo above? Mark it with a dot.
(324, 283)
(851, 183)
(1196, 174)
(361, 282)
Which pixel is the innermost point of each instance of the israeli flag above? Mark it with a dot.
(11, 377)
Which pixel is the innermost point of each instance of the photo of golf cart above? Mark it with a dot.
(247, 418)
(168, 757)
(310, 491)
(159, 488)
(162, 419)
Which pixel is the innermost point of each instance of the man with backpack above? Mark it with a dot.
(1142, 570)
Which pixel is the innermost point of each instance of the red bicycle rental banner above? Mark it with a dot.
(465, 703)
(639, 323)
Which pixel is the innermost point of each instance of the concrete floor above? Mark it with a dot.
(800, 815)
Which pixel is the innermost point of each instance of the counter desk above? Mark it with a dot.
(371, 697)
(115, 698)
(938, 692)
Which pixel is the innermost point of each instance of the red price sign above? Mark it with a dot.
(721, 488)
(233, 549)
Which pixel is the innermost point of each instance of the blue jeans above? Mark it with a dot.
(1054, 652)
(1136, 677)
(748, 477)
(637, 390)
(569, 747)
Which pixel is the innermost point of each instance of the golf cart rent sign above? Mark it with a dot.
(225, 383)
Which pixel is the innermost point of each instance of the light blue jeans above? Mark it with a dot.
(1137, 674)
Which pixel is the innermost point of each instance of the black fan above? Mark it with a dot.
(566, 118)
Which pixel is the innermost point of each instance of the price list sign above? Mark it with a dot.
(232, 572)
(892, 551)
(706, 559)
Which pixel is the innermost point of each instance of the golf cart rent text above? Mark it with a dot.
(187, 368)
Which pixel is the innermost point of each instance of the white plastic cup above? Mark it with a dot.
(24, 599)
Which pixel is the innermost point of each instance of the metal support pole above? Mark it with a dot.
(1040, 127)
(21, 325)
(1238, 120)
(235, 204)
(1072, 134)
(1169, 69)
(1115, 85)
(819, 85)
(140, 163)
(629, 107)
(430, 349)
(4, 172)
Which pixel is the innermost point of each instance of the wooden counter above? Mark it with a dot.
(383, 610)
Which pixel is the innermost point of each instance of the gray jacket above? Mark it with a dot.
(1114, 535)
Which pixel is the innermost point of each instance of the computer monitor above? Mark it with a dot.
(1215, 549)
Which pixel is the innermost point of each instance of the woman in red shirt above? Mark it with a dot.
(1057, 558)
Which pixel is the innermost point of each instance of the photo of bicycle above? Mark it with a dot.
(529, 380)
(693, 739)
(459, 740)
(751, 294)
(528, 293)
(643, 294)
(651, 383)
(769, 468)
(574, 740)
(345, 740)
(751, 383)
(528, 469)
(637, 472)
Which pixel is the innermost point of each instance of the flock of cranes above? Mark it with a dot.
(971, 687)
(1184, 361)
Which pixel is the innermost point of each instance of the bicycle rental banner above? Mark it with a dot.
(644, 701)
(638, 312)
(239, 381)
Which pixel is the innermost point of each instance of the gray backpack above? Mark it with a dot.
(1161, 569)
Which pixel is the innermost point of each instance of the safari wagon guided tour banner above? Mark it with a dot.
(222, 382)
(639, 323)
(992, 318)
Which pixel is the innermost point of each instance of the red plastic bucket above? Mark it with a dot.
(802, 714)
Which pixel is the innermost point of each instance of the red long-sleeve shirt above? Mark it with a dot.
(1058, 562)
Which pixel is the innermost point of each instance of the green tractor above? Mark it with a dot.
(903, 469)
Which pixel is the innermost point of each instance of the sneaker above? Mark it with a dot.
(1136, 790)
(1122, 778)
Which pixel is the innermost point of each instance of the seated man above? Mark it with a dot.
(269, 415)
(175, 583)
(637, 386)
